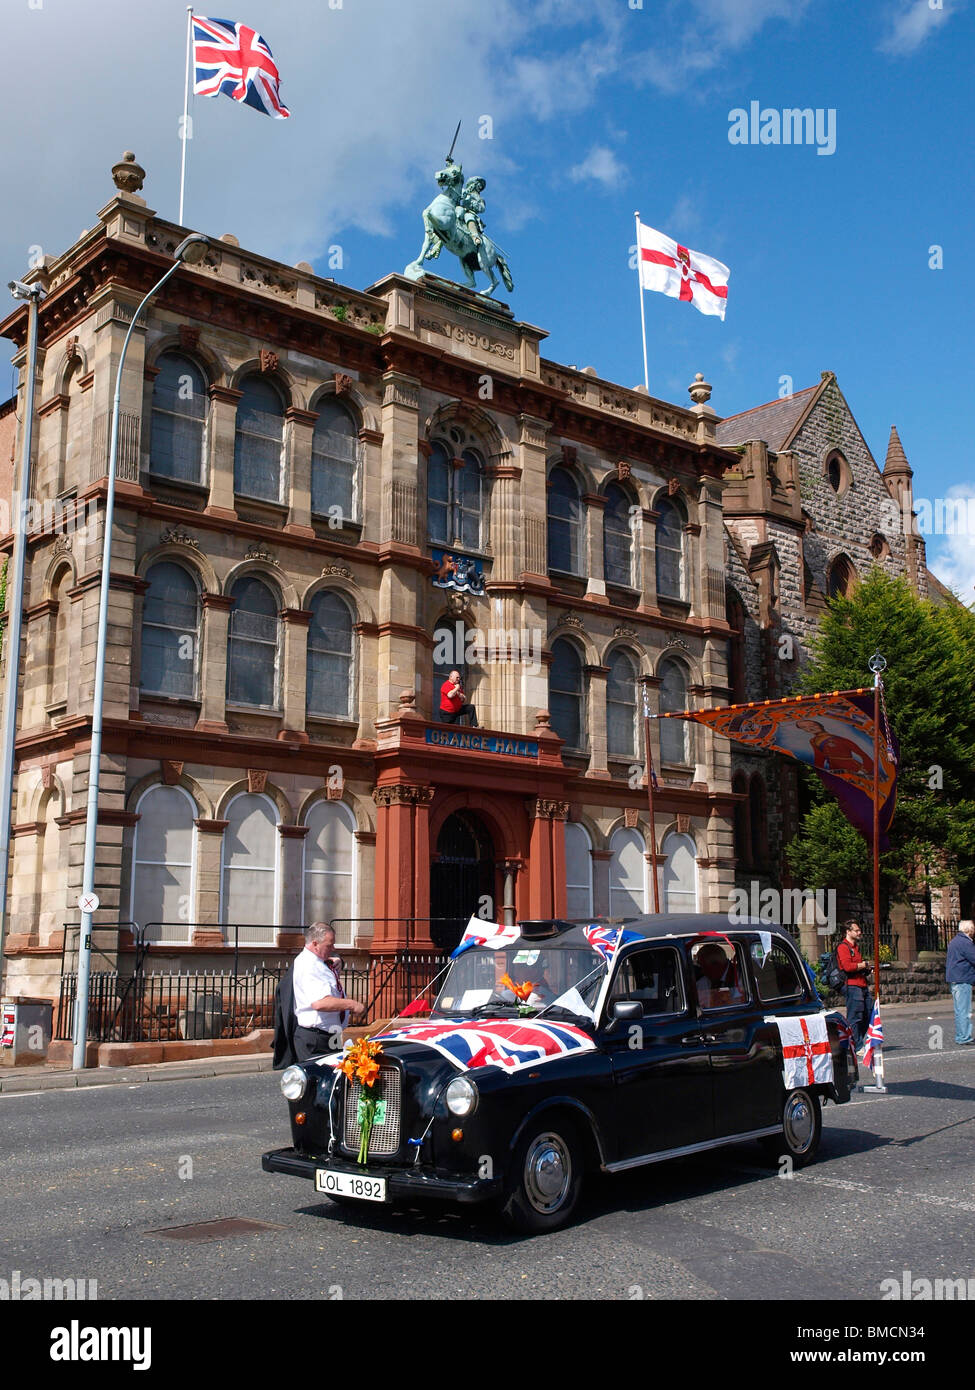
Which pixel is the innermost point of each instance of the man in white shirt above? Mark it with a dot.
(320, 1003)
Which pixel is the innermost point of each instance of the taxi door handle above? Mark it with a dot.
(692, 1040)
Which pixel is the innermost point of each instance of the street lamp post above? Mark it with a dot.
(191, 250)
(15, 598)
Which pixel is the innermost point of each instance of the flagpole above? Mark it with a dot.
(876, 667)
(186, 108)
(643, 312)
(651, 778)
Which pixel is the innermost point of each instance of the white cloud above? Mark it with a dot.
(734, 22)
(952, 557)
(913, 21)
(601, 165)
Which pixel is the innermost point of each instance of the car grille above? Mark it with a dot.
(384, 1139)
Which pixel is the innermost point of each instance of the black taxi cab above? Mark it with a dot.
(566, 1047)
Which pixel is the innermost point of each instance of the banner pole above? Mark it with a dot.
(186, 109)
(651, 780)
(643, 312)
(876, 835)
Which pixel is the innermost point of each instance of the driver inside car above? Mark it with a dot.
(718, 982)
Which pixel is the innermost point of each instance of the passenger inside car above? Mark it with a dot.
(718, 977)
(652, 979)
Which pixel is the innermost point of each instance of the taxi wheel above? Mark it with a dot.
(802, 1129)
(544, 1178)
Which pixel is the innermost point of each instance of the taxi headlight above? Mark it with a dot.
(293, 1083)
(461, 1096)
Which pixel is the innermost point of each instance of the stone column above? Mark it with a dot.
(291, 860)
(692, 560)
(648, 557)
(300, 426)
(220, 447)
(600, 881)
(560, 896)
(596, 704)
(595, 506)
(399, 652)
(295, 670)
(398, 855)
(209, 857)
(213, 663)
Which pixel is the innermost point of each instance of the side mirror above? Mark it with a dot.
(626, 1010)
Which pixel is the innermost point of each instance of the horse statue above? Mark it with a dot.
(454, 220)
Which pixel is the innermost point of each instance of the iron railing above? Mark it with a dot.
(933, 933)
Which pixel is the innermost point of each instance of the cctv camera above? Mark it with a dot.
(19, 290)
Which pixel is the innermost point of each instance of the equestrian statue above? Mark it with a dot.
(455, 219)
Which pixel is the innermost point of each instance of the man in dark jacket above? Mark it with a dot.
(284, 1021)
(960, 974)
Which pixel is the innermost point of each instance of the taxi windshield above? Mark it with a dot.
(523, 980)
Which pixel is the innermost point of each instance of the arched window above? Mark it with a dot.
(329, 670)
(250, 866)
(252, 648)
(621, 705)
(627, 874)
(565, 523)
(334, 462)
(449, 649)
(680, 873)
(178, 424)
(578, 871)
(617, 537)
(673, 696)
(735, 614)
(838, 472)
(330, 880)
(455, 497)
(60, 638)
(841, 579)
(565, 694)
(170, 631)
(162, 862)
(758, 818)
(743, 837)
(670, 549)
(258, 441)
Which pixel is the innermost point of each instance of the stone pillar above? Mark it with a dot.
(420, 935)
(400, 653)
(597, 714)
(904, 927)
(213, 663)
(209, 865)
(221, 438)
(399, 848)
(560, 895)
(692, 561)
(600, 881)
(595, 505)
(648, 557)
(295, 670)
(509, 868)
(300, 426)
(539, 862)
(288, 906)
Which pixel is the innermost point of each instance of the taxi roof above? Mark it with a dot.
(653, 926)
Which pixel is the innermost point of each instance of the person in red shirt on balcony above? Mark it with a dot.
(859, 1005)
(453, 702)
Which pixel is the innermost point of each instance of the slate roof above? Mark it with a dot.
(773, 422)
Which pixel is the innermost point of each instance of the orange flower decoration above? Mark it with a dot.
(359, 1062)
(521, 992)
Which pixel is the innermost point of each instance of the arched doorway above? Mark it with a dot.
(461, 876)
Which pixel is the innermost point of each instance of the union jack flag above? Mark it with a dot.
(489, 934)
(508, 1044)
(844, 1030)
(875, 1035)
(603, 939)
(233, 59)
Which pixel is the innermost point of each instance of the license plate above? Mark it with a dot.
(350, 1185)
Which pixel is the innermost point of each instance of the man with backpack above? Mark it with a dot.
(853, 967)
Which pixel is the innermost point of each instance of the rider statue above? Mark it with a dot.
(455, 219)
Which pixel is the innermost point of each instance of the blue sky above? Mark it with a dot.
(598, 108)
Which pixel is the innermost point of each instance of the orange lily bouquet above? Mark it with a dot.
(521, 992)
(360, 1064)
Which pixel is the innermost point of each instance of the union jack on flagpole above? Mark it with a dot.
(875, 1039)
(230, 58)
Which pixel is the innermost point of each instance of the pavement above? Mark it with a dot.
(14, 1080)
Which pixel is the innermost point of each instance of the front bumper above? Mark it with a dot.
(401, 1183)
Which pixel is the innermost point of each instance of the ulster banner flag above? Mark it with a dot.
(833, 734)
(672, 269)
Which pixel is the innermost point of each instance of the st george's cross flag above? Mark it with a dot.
(672, 269)
(489, 934)
(231, 58)
(806, 1056)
